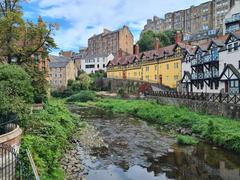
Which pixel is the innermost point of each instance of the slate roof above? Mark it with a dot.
(58, 61)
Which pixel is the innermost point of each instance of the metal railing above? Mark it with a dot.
(11, 168)
(8, 123)
(210, 97)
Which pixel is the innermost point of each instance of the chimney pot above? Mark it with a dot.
(137, 50)
(157, 44)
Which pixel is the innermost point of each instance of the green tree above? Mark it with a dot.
(20, 39)
(147, 40)
(16, 92)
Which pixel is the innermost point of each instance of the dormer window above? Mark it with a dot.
(235, 46)
(229, 48)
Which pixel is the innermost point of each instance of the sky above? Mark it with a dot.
(80, 19)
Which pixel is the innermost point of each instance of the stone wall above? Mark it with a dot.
(211, 108)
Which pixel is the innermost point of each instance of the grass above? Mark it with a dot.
(46, 135)
(186, 140)
(221, 131)
(82, 96)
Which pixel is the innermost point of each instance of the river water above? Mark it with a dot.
(139, 151)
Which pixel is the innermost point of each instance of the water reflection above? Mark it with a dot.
(137, 151)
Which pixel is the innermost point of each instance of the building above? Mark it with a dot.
(232, 19)
(109, 42)
(61, 70)
(213, 67)
(161, 65)
(204, 18)
(92, 64)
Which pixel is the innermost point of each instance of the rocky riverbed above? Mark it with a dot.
(115, 147)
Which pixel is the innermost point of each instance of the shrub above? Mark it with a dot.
(83, 96)
(16, 92)
(46, 135)
(186, 140)
(122, 92)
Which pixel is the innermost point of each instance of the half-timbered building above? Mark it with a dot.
(230, 65)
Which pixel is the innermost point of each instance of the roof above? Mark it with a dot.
(233, 69)
(58, 61)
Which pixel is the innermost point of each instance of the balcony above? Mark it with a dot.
(197, 76)
(196, 62)
(232, 19)
(211, 58)
(211, 74)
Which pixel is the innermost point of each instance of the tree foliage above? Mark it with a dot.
(20, 39)
(16, 91)
(147, 40)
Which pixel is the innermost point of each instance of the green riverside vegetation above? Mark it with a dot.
(218, 130)
(47, 133)
(186, 140)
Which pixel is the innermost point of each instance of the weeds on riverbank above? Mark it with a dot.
(218, 130)
(47, 134)
(186, 140)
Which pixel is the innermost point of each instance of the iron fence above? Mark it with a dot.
(210, 97)
(11, 167)
(8, 123)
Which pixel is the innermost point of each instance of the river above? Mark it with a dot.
(135, 150)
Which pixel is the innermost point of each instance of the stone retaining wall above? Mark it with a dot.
(12, 138)
(211, 108)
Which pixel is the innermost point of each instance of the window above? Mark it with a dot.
(90, 66)
(55, 75)
(176, 77)
(167, 66)
(104, 66)
(155, 67)
(235, 46)
(98, 66)
(147, 68)
(230, 48)
(155, 77)
(175, 65)
(167, 77)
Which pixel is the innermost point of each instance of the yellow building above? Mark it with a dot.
(161, 65)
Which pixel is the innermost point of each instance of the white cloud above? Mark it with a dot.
(112, 14)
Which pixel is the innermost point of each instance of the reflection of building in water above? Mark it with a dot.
(228, 174)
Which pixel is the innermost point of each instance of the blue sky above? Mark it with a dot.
(80, 19)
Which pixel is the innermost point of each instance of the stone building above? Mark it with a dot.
(205, 17)
(109, 42)
(61, 69)
(232, 19)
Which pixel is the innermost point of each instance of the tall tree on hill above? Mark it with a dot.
(20, 39)
(147, 40)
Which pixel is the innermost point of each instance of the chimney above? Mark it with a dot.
(137, 50)
(120, 53)
(178, 37)
(157, 44)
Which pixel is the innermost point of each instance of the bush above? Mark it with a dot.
(83, 96)
(186, 140)
(122, 92)
(46, 135)
(16, 92)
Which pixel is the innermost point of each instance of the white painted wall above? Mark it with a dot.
(99, 63)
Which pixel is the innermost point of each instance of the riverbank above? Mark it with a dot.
(220, 131)
(47, 134)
